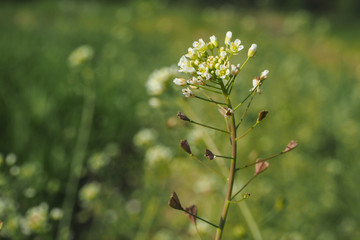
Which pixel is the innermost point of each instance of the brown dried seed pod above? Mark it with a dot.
(174, 202)
(209, 154)
(185, 145)
(262, 115)
(183, 116)
(193, 210)
(291, 145)
(260, 166)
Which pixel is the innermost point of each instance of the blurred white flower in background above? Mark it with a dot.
(36, 220)
(56, 214)
(145, 137)
(10, 159)
(158, 79)
(158, 153)
(89, 192)
(80, 55)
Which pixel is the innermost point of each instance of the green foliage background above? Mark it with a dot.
(312, 95)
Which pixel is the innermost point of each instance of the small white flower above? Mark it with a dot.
(207, 76)
(180, 82)
(252, 50)
(202, 69)
(188, 93)
(235, 69)
(235, 47)
(213, 41)
(223, 72)
(192, 53)
(223, 54)
(185, 65)
(200, 45)
(228, 38)
(264, 75)
(256, 85)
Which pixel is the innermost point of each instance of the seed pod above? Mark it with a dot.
(209, 154)
(174, 202)
(185, 145)
(260, 166)
(262, 115)
(193, 210)
(291, 145)
(183, 117)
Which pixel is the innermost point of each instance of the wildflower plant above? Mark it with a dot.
(210, 77)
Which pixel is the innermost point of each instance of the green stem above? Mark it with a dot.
(77, 160)
(225, 210)
(262, 160)
(201, 219)
(247, 183)
(251, 93)
(208, 85)
(205, 88)
(203, 125)
(223, 156)
(210, 100)
(246, 110)
(248, 131)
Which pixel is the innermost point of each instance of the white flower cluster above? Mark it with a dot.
(36, 220)
(158, 80)
(204, 65)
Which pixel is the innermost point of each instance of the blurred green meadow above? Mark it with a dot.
(89, 148)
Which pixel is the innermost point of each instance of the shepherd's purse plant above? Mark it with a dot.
(211, 78)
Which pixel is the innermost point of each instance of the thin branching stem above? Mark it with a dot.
(223, 156)
(243, 187)
(246, 110)
(210, 100)
(204, 125)
(259, 161)
(248, 131)
(201, 219)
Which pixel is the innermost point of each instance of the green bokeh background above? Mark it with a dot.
(312, 95)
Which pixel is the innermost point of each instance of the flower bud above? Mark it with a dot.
(264, 75)
(174, 202)
(209, 154)
(235, 69)
(183, 117)
(228, 38)
(185, 145)
(193, 210)
(252, 50)
(213, 41)
(260, 166)
(262, 115)
(291, 145)
(180, 81)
